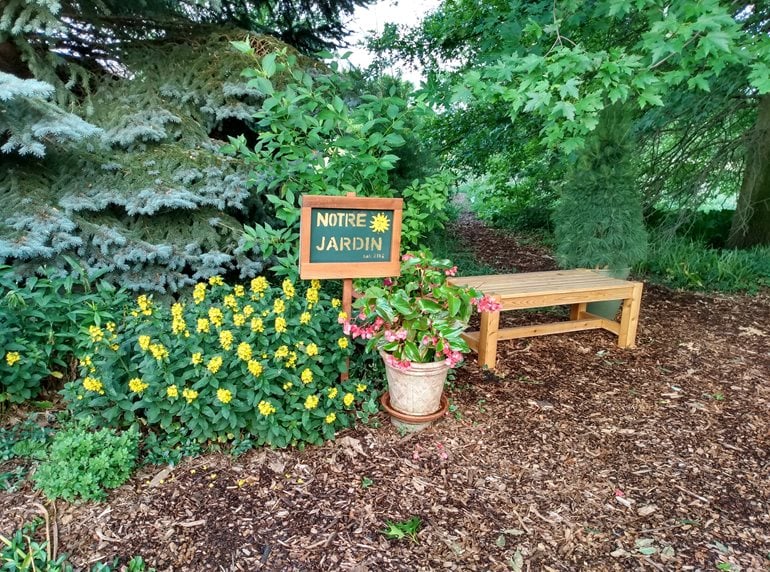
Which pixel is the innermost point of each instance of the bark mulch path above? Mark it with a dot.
(574, 455)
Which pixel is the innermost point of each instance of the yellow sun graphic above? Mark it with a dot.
(380, 223)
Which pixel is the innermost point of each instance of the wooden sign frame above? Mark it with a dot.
(347, 270)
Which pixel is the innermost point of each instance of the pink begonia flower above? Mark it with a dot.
(378, 323)
(486, 304)
(346, 327)
(389, 336)
(392, 361)
(401, 334)
(451, 272)
(407, 256)
(387, 282)
(442, 452)
(361, 315)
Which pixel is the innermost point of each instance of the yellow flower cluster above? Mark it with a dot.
(93, 384)
(312, 295)
(266, 408)
(96, 333)
(304, 318)
(342, 343)
(248, 310)
(244, 351)
(214, 364)
(229, 301)
(259, 284)
(189, 394)
(158, 351)
(224, 395)
(311, 349)
(332, 392)
(348, 399)
(281, 352)
(86, 361)
(287, 386)
(311, 402)
(360, 388)
(197, 358)
(137, 385)
(288, 288)
(178, 325)
(331, 418)
(255, 368)
(199, 292)
(172, 391)
(307, 376)
(144, 342)
(239, 320)
(239, 290)
(279, 306)
(336, 303)
(12, 358)
(226, 340)
(342, 316)
(204, 326)
(216, 281)
(215, 316)
(145, 305)
(257, 325)
(291, 363)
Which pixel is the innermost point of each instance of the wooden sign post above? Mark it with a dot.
(349, 237)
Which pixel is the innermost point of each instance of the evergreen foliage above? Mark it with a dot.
(28, 121)
(112, 114)
(598, 220)
(151, 202)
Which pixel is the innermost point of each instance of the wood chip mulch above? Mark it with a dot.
(573, 455)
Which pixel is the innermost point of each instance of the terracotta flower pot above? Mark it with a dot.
(416, 391)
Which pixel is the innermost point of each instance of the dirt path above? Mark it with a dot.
(576, 456)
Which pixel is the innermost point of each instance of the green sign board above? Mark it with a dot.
(349, 237)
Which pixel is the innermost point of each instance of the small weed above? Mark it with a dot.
(10, 481)
(404, 529)
(403, 430)
(454, 409)
(481, 403)
(366, 482)
(718, 396)
(725, 566)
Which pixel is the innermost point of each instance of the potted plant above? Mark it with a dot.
(598, 220)
(415, 321)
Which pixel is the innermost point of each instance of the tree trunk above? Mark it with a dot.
(751, 223)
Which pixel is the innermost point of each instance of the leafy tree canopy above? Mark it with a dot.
(697, 72)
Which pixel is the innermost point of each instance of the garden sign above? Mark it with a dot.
(349, 237)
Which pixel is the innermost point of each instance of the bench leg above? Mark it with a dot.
(576, 309)
(490, 321)
(629, 319)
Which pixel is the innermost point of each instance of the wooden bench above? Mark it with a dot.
(538, 289)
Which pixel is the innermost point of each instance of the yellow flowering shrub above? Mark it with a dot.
(258, 359)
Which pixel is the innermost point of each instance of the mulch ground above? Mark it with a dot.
(574, 455)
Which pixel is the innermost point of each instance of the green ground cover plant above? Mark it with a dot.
(83, 464)
(225, 362)
(682, 262)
